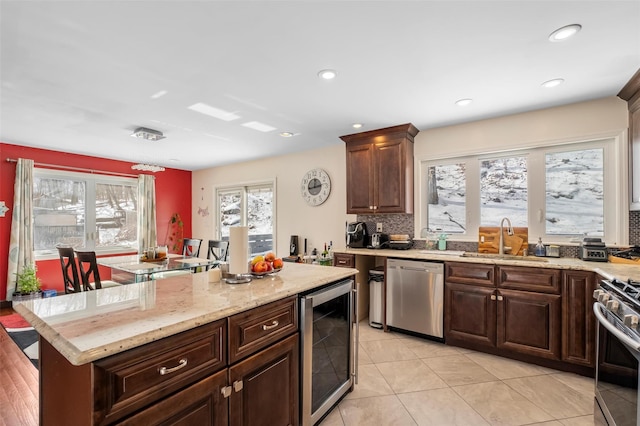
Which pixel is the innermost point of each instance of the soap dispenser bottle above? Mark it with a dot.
(540, 250)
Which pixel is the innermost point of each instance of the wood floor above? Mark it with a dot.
(18, 384)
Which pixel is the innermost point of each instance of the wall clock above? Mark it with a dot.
(315, 187)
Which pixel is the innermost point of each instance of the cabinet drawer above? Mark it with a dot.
(129, 381)
(470, 273)
(344, 260)
(529, 279)
(258, 328)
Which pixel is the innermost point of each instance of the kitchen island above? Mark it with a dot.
(142, 352)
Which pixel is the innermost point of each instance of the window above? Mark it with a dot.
(561, 193)
(251, 206)
(87, 211)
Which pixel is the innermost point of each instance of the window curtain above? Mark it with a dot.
(21, 239)
(147, 212)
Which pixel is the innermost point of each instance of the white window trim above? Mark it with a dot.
(230, 187)
(90, 213)
(616, 202)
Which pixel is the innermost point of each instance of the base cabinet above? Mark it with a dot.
(529, 323)
(482, 315)
(578, 319)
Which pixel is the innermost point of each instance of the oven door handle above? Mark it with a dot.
(612, 329)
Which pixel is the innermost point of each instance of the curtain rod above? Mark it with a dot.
(77, 169)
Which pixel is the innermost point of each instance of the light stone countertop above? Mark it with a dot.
(606, 269)
(91, 325)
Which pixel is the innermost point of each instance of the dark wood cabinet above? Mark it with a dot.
(529, 323)
(380, 170)
(578, 319)
(470, 315)
(487, 308)
(344, 260)
(265, 386)
(186, 379)
(631, 93)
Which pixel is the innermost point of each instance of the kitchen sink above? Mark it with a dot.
(503, 256)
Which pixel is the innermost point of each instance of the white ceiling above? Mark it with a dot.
(79, 76)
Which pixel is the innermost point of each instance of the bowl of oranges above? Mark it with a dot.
(266, 264)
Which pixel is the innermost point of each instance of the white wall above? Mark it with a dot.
(319, 224)
(576, 122)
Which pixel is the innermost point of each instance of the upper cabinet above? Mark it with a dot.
(380, 170)
(631, 93)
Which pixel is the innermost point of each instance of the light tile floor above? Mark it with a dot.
(405, 380)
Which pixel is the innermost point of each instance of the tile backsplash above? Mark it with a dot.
(403, 224)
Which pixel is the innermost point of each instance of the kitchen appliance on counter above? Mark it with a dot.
(357, 235)
(328, 348)
(400, 242)
(415, 296)
(379, 240)
(617, 309)
(593, 249)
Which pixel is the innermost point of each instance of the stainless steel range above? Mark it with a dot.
(617, 308)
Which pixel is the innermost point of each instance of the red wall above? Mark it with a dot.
(173, 195)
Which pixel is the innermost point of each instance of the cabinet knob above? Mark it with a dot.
(226, 391)
(237, 386)
(493, 297)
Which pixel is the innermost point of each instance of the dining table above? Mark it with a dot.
(135, 268)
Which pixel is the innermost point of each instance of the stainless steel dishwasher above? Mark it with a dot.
(415, 296)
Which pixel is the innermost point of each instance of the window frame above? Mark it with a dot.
(245, 188)
(616, 187)
(90, 180)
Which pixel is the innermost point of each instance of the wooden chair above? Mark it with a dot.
(191, 247)
(90, 273)
(69, 270)
(221, 246)
(223, 250)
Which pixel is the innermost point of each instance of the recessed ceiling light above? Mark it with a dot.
(464, 102)
(564, 33)
(327, 74)
(286, 134)
(356, 125)
(553, 83)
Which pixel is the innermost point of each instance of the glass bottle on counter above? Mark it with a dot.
(540, 250)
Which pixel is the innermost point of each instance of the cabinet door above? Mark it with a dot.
(578, 320)
(360, 179)
(265, 387)
(470, 315)
(529, 323)
(200, 404)
(393, 177)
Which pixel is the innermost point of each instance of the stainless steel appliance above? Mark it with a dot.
(357, 235)
(415, 296)
(329, 338)
(593, 249)
(617, 309)
(376, 279)
(379, 240)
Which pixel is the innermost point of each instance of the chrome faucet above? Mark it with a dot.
(509, 232)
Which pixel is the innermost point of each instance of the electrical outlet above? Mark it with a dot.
(378, 227)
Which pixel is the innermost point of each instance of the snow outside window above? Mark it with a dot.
(85, 211)
(559, 192)
(251, 206)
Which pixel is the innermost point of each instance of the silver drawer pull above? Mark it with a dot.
(274, 324)
(181, 364)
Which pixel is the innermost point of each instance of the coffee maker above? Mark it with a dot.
(357, 235)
